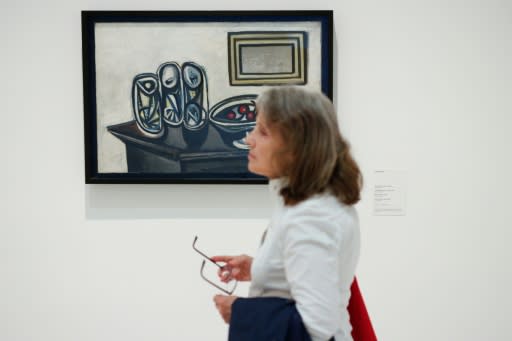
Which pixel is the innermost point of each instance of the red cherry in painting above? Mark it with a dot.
(250, 116)
(230, 115)
(242, 109)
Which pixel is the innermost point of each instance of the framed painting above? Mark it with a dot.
(169, 97)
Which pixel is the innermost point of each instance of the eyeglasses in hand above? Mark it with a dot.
(222, 268)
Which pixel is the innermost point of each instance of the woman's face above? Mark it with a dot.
(264, 143)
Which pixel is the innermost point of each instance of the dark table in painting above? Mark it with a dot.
(179, 151)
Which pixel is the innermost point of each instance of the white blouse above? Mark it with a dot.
(309, 254)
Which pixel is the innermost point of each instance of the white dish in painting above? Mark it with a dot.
(234, 118)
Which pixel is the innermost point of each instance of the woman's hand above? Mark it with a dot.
(223, 304)
(237, 267)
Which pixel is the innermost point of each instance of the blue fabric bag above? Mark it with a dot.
(266, 319)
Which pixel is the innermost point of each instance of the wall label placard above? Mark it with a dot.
(389, 195)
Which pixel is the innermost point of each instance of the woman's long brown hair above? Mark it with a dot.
(316, 157)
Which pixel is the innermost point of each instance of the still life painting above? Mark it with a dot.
(169, 97)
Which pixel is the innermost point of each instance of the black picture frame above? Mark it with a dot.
(174, 131)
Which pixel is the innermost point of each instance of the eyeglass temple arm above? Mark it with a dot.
(202, 254)
(229, 292)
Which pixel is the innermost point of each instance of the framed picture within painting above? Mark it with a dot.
(170, 96)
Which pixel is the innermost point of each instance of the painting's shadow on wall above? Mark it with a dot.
(160, 201)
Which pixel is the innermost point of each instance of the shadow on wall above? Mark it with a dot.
(157, 201)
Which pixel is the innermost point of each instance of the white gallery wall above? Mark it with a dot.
(422, 87)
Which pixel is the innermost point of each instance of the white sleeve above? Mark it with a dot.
(310, 249)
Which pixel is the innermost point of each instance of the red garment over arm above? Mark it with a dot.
(362, 329)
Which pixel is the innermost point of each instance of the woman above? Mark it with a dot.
(311, 248)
